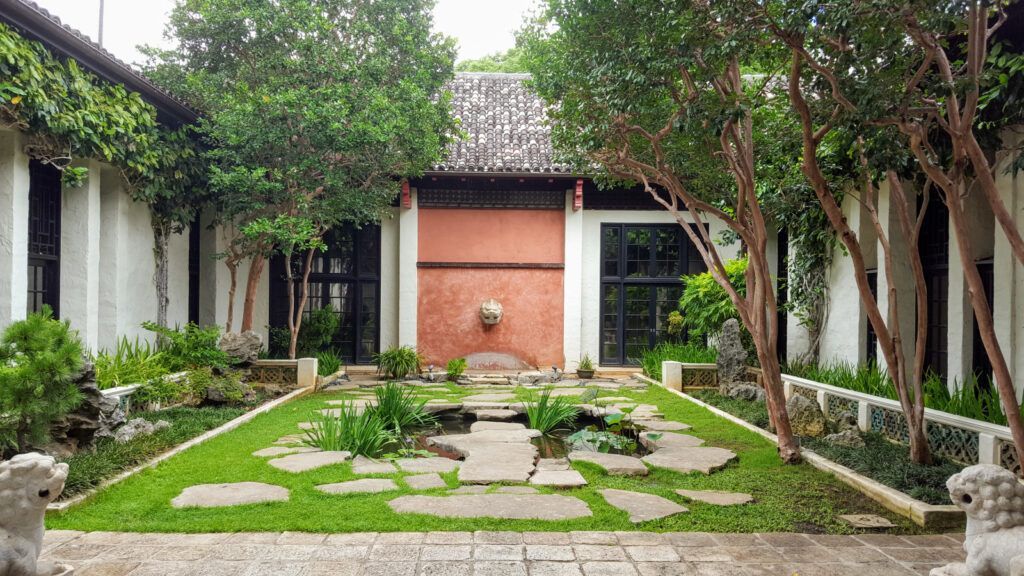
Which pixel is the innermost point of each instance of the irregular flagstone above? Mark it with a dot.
(641, 507)
(434, 407)
(669, 440)
(363, 486)
(218, 495)
(427, 465)
(310, 461)
(517, 407)
(552, 464)
(363, 465)
(481, 425)
(500, 415)
(685, 460)
(715, 497)
(558, 478)
(305, 425)
(661, 425)
(282, 450)
(496, 462)
(612, 400)
(489, 398)
(475, 489)
(291, 439)
(514, 490)
(425, 481)
(613, 464)
(452, 442)
(357, 402)
(504, 506)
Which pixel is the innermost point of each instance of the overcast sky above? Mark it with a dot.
(480, 26)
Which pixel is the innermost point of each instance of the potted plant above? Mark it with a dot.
(585, 369)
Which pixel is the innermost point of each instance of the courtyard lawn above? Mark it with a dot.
(787, 498)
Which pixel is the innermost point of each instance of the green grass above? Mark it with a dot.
(788, 498)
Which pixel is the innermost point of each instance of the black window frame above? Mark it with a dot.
(44, 236)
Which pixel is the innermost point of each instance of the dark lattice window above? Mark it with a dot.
(871, 342)
(43, 237)
(981, 365)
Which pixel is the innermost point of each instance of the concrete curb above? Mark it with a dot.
(64, 505)
(921, 513)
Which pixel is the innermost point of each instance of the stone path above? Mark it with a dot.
(641, 507)
(499, 505)
(216, 495)
(499, 554)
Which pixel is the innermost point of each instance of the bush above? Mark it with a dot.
(130, 363)
(359, 433)
(690, 353)
(399, 409)
(398, 362)
(328, 362)
(191, 347)
(455, 368)
(317, 331)
(39, 360)
(547, 413)
(705, 305)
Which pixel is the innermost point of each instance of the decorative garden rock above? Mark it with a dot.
(805, 416)
(96, 417)
(28, 483)
(847, 420)
(850, 438)
(993, 499)
(732, 357)
(139, 427)
(491, 312)
(244, 347)
(747, 392)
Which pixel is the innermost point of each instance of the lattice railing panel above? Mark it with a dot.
(700, 377)
(282, 375)
(889, 423)
(836, 405)
(1008, 457)
(952, 442)
(809, 393)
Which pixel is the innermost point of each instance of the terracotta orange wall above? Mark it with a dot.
(448, 319)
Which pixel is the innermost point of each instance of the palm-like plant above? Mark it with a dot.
(399, 409)
(546, 413)
(359, 433)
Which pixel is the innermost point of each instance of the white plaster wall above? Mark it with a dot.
(389, 279)
(590, 292)
(1008, 277)
(408, 282)
(572, 308)
(215, 281)
(798, 341)
(80, 256)
(844, 331)
(14, 182)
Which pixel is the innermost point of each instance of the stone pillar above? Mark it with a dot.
(306, 372)
(14, 183)
(408, 275)
(111, 295)
(573, 286)
(80, 257)
(672, 375)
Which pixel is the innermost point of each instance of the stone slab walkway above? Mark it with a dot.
(499, 554)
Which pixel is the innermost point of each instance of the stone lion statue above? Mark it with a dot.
(28, 482)
(491, 312)
(993, 499)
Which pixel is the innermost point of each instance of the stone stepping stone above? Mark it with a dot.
(641, 507)
(363, 465)
(296, 463)
(558, 478)
(612, 400)
(425, 481)
(435, 407)
(291, 439)
(305, 425)
(552, 464)
(613, 464)
(495, 415)
(512, 489)
(470, 490)
(353, 401)
(669, 440)
(282, 450)
(492, 456)
(504, 506)
(686, 460)
(715, 497)
(867, 521)
(489, 398)
(517, 407)
(662, 425)
(427, 465)
(481, 425)
(363, 486)
(220, 495)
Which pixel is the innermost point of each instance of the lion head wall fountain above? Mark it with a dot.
(28, 483)
(491, 312)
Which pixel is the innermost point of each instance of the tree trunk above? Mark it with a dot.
(252, 285)
(295, 316)
(161, 237)
(232, 265)
(293, 330)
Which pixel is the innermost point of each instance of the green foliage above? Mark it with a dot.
(190, 347)
(359, 433)
(397, 362)
(39, 360)
(510, 60)
(455, 368)
(705, 305)
(547, 413)
(586, 364)
(400, 409)
(689, 353)
(318, 330)
(754, 412)
(132, 362)
(592, 440)
(328, 362)
(675, 323)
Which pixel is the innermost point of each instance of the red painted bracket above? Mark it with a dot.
(577, 201)
(406, 195)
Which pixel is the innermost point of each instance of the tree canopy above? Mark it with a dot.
(510, 60)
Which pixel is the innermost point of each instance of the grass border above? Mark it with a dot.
(921, 513)
(63, 505)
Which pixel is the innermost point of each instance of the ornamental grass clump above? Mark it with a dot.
(399, 409)
(132, 362)
(455, 368)
(547, 413)
(398, 362)
(359, 433)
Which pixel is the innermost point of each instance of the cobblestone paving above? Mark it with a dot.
(499, 554)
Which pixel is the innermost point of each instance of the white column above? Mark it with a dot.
(408, 281)
(80, 257)
(1008, 281)
(389, 280)
(904, 278)
(572, 280)
(112, 194)
(14, 183)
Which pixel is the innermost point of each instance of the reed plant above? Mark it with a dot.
(361, 433)
(547, 412)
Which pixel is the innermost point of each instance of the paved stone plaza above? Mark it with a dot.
(499, 554)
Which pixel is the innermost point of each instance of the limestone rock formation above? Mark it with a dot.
(747, 392)
(732, 357)
(850, 438)
(139, 427)
(95, 417)
(28, 483)
(244, 347)
(805, 416)
(993, 499)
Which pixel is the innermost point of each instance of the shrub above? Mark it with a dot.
(398, 362)
(39, 360)
(317, 331)
(546, 413)
(586, 364)
(455, 368)
(364, 434)
(705, 305)
(328, 362)
(191, 347)
(690, 353)
(130, 363)
(399, 409)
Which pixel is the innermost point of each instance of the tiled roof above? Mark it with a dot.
(504, 126)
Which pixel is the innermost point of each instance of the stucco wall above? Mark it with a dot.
(215, 282)
(13, 227)
(844, 333)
